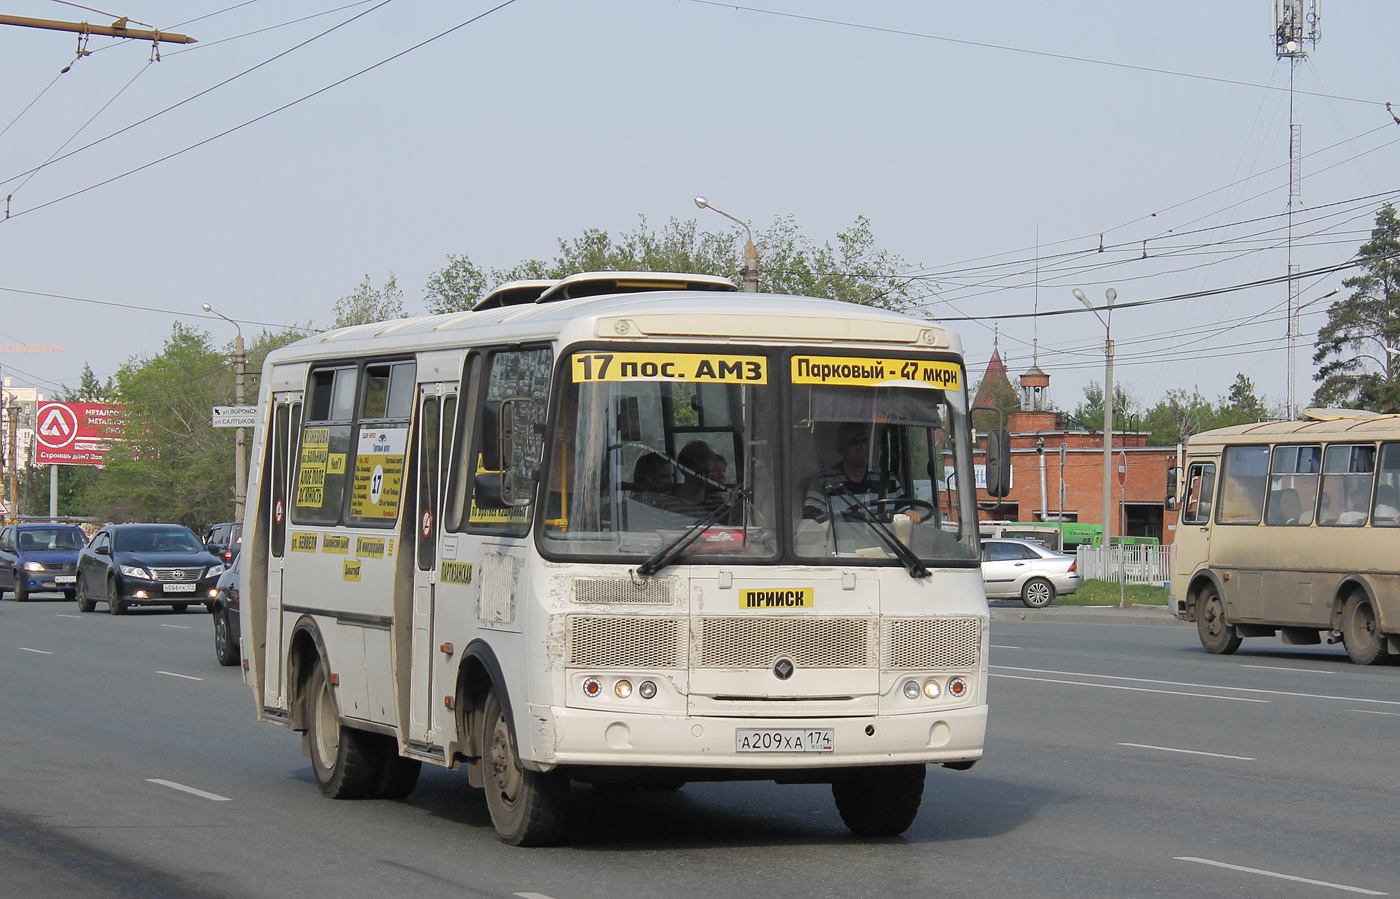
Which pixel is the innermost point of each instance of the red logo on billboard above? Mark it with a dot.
(73, 433)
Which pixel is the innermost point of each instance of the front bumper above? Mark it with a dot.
(568, 736)
(48, 581)
(137, 591)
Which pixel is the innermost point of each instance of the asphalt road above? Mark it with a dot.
(1121, 761)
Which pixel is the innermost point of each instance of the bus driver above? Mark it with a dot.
(825, 493)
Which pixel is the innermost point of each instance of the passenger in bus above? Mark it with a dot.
(698, 493)
(1356, 508)
(1387, 505)
(824, 491)
(1287, 507)
(652, 474)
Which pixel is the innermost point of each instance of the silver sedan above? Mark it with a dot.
(1026, 569)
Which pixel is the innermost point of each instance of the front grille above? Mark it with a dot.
(59, 567)
(177, 574)
(598, 641)
(752, 642)
(931, 643)
(650, 591)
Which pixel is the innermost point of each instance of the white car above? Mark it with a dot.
(1026, 569)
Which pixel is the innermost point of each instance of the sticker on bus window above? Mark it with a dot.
(303, 542)
(335, 544)
(512, 515)
(378, 481)
(311, 475)
(457, 573)
(702, 368)
(859, 371)
(777, 598)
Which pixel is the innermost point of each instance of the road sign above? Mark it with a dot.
(73, 433)
(235, 416)
(1122, 469)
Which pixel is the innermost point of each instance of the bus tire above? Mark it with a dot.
(527, 807)
(342, 759)
(85, 602)
(1037, 593)
(879, 802)
(1361, 630)
(1218, 636)
(396, 776)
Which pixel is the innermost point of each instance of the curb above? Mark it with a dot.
(1149, 615)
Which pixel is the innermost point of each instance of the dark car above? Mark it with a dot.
(225, 609)
(224, 540)
(37, 558)
(146, 564)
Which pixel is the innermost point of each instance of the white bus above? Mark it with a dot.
(1293, 528)
(611, 531)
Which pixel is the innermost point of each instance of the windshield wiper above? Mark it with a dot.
(862, 512)
(672, 551)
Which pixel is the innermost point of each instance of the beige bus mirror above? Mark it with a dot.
(1172, 475)
(998, 462)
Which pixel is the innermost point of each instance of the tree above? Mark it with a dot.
(1178, 416)
(854, 269)
(370, 304)
(1089, 413)
(1356, 347)
(1239, 406)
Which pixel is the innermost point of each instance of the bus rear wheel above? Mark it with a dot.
(1361, 632)
(879, 802)
(396, 776)
(527, 807)
(342, 758)
(1218, 636)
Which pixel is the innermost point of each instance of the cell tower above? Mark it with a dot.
(1293, 28)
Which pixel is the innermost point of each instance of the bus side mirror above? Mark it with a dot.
(998, 462)
(502, 480)
(1172, 474)
(491, 437)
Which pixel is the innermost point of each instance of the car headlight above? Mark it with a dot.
(135, 571)
(214, 569)
(33, 566)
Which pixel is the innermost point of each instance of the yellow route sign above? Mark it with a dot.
(703, 368)
(864, 371)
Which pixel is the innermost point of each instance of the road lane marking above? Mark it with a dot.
(1077, 683)
(183, 627)
(67, 616)
(1277, 668)
(1173, 683)
(533, 896)
(185, 676)
(191, 790)
(1000, 646)
(42, 652)
(1214, 755)
(1375, 712)
(1294, 878)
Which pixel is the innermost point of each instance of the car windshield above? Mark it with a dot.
(152, 540)
(664, 456)
(51, 538)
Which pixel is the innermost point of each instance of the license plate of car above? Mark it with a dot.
(65, 579)
(783, 739)
(179, 588)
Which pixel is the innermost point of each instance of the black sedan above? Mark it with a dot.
(146, 564)
(226, 622)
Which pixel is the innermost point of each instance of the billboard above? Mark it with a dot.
(73, 433)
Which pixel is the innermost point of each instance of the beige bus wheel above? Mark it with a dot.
(1361, 631)
(342, 758)
(1217, 635)
(527, 807)
(879, 802)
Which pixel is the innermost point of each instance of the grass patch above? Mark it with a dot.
(1105, 593)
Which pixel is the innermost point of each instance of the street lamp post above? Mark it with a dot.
(1110, 295)
(240, 463)
(750, 251)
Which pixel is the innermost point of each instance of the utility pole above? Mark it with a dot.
(116, 29)
(1292, 29)
(14, 417)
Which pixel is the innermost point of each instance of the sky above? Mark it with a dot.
(993, 146)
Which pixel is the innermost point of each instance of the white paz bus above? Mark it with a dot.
(625, 530)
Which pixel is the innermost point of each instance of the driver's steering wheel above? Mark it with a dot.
(885, 510)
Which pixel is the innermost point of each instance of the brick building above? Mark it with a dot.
(1057, 470)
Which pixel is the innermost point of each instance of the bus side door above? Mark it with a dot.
(1191, 548)
(437, 411)
(286, 425)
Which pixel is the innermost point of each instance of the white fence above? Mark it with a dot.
(1135, 564)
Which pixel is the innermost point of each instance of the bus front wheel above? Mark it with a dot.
(342, 758)
(527, 807)
(1218, 636)
(879, 802)
(1361, 632)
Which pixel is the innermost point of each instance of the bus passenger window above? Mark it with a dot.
(1242, 485)
(1346, 485)
(518, 385)
(1387, 511)
(1293, 479)
(1200, 487)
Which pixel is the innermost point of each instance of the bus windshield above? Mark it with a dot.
(648, 445)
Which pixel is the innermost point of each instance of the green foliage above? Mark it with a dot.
(854, 270)
(1356, 347)
(370, 304)
(1000, 394)
(1089, 413)
(89, 389)
(1181, 414)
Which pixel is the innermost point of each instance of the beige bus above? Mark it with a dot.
(1293, 528)
(605, 531)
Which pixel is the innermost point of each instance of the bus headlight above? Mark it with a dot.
(592, 687)
(932, 690)
(911, 689)
(647, 690)
(957, 688)
(623, 689)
